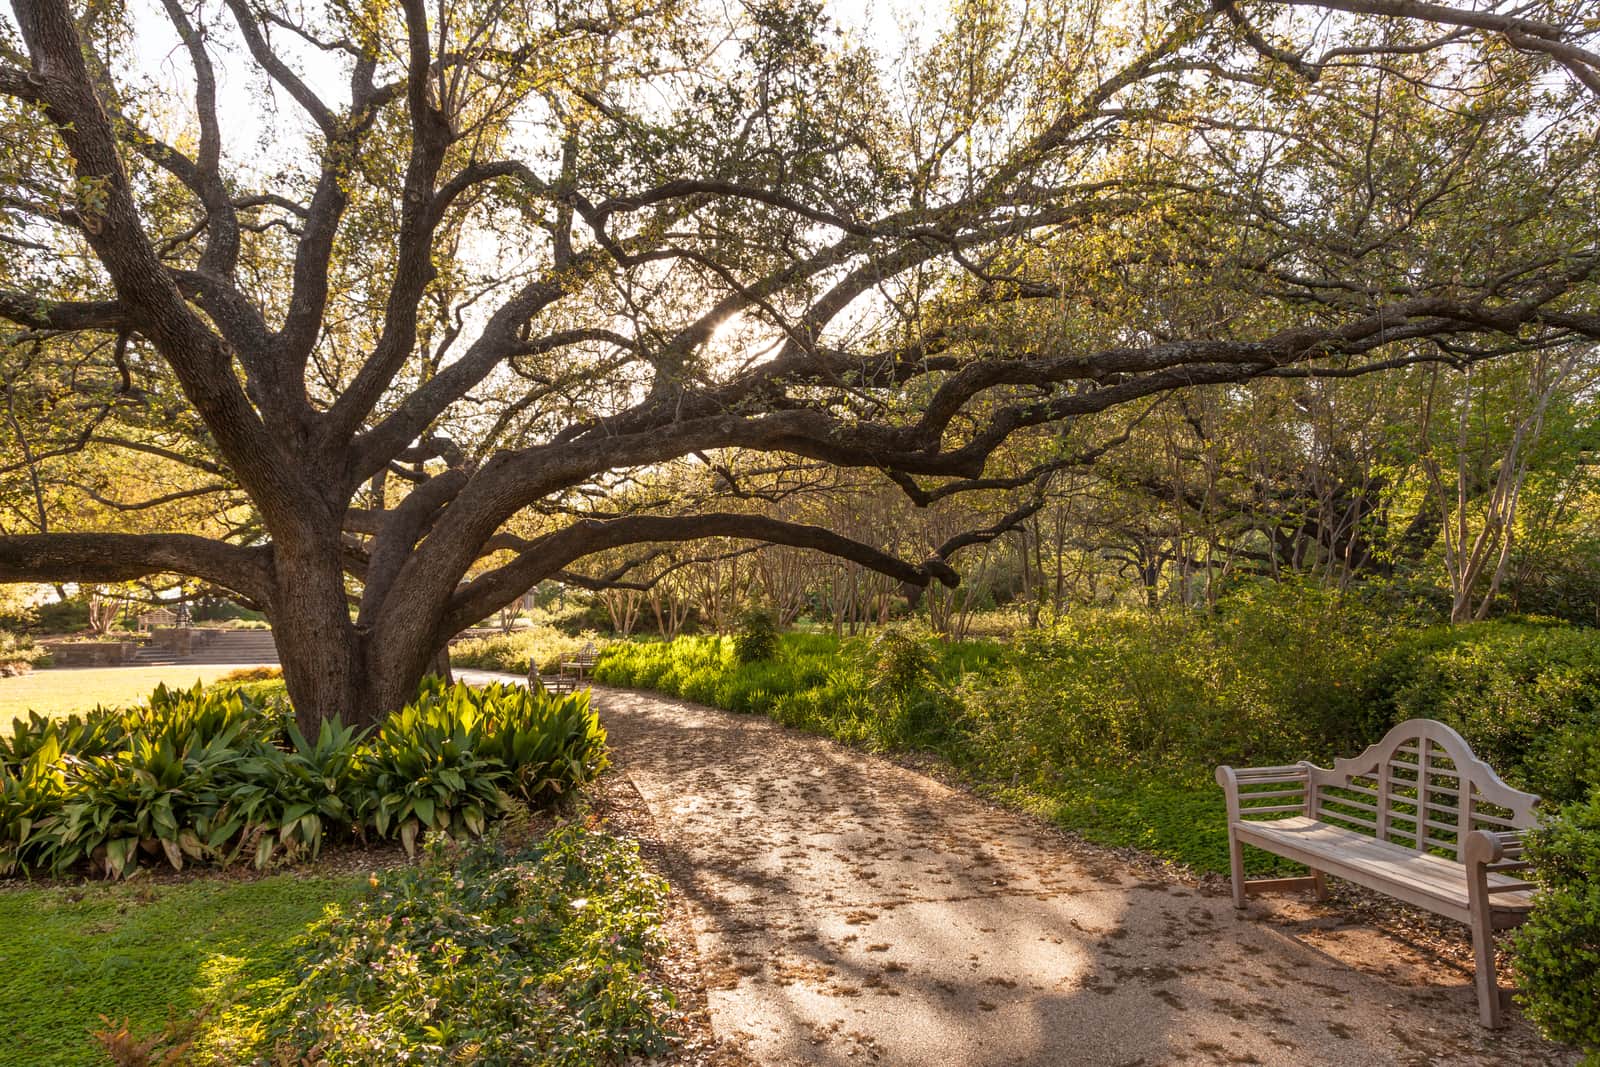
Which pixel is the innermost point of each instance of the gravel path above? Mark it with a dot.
(849, 910)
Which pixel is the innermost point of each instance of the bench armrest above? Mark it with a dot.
(1231, 778)
(1494, 849)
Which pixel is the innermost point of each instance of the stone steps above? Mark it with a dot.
(226, 646)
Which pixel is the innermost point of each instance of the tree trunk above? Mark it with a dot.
(323, 655)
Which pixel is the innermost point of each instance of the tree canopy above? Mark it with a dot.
(485, 292)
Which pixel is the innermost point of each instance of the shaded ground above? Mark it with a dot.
(850, 910)
(137, 951)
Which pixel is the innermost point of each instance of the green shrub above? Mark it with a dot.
(62, 616)
(425, 771)
(249, 674)
(484, 954)
(289, 799)
(901, 663)
(1273, 676)
(1557, 951)
(156, 795)
(549, 744)
(20, 649)
(758, 636)
(1526, 696)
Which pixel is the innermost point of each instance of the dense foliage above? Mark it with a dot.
(487, 954)
(1558, 950)
(1526, 695)
(20, 650)
(216, 775)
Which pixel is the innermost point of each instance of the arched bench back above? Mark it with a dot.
(1420, 787)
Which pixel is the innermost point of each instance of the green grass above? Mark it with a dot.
(62, 690)
(1184, 823)
(133, 951)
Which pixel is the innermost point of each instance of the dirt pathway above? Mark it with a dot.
(852, 911)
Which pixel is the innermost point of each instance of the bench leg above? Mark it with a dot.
(1319, 886)
(1236, 866)
(1489, 1006)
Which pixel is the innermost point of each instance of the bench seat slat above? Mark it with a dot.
(1429, 881)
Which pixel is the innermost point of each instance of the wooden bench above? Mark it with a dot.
(569, 674)
(1417, 816)
(558, 684)
(160, 617)
(582, 662)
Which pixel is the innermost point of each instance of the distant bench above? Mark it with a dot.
(1417, 816)
(569, 673)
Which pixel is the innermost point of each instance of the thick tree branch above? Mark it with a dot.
(93, 557)
(553, 553)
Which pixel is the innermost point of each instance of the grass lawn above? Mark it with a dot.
(61, 690)
(73, 953)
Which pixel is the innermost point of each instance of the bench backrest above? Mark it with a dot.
(1421, 787)
(588, 654)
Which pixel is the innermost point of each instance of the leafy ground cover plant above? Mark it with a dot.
(216, 775)
(487, 953)
(507, 950)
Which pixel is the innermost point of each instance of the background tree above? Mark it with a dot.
(497, 262)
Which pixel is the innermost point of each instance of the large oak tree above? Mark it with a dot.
(488, 266)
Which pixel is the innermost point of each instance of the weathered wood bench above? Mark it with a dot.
(1417, 816)
(582, 662)
(569, 673)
